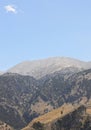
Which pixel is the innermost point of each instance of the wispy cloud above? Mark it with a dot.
(10, 8)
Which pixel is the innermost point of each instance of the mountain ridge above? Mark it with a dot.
(40, 68)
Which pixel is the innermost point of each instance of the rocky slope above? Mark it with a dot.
(41, 68)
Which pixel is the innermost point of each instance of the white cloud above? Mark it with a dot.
(10, 8)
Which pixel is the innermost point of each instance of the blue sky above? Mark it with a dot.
(37, 29)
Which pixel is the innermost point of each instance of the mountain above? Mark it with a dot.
(64, 118)
(40, 68)
(54, 81)
(23, 98)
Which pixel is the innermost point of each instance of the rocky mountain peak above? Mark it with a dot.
(40, 68)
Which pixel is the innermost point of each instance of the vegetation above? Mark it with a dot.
(38, 126)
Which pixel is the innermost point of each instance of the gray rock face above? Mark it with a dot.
(41, 68)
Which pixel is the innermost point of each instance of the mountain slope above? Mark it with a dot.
(51, 116)
(41, 68)
(67, 117)
(15, 93)
(57, 89)
(22, 98)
